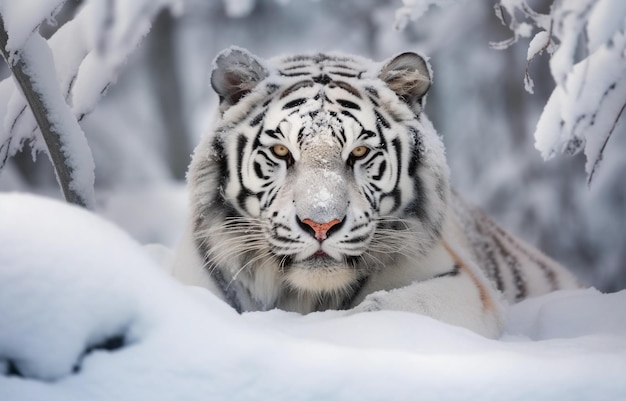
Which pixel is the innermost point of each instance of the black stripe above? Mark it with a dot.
(271, 197)
(244, 192)
(345, 67)
(370, 200)
(381, 171)
(294, 103)
(373, 186)
(294, 87)
(355, 240)
(286, 239)
(348, 104)
(343, 74)
(381, 119)
(395, 193)
(371, 159)
(294, 74)
(417, 206)
(514, 267)
(300, 135)
(221, 158)
(358, 226)
(295, 67)
(348, 114)
(342, 135)
(256, 120)
(348, 88)
(365, 134)
(548, 273)
(265, 156)
(259, 172)
(452, 273)
(416, 151)
(271, 133)
(487, 250)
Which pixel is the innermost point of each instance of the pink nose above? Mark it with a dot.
(321, 229)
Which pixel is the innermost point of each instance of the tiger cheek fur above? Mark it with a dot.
(324, 186)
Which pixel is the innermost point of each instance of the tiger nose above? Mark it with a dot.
(320, 231)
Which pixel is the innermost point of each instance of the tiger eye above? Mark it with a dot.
(280, 151)
(359, 152)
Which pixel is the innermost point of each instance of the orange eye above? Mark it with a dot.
(359, 152)
(280, 151)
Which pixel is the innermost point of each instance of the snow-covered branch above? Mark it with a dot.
(79, 62)
(590, 93)
(65, 141)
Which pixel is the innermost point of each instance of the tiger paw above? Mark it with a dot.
(374, 302)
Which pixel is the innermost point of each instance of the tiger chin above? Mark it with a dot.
(323, 185)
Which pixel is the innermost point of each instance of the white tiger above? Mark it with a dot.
(323, 186)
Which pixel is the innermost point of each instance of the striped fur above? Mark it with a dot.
(324, 186)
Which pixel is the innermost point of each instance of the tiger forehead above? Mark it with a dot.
(324, 80)
(321, 69)
(318, 65)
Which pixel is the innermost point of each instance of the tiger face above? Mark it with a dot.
(320, 171)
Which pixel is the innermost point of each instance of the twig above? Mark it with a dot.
(596, 163)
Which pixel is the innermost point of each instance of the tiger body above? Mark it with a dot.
(323, 186)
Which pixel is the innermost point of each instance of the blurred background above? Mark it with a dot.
(143, 131)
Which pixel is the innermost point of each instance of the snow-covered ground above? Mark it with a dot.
(86, 314)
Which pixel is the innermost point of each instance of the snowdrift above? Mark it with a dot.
(85, 314)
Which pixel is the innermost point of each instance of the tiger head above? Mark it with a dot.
(320, 170)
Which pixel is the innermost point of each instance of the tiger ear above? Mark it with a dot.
(408, 75)
(235, 73)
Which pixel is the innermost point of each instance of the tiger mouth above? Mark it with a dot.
(320, 259)
(320, 254)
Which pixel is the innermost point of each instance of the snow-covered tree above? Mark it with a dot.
(56, 82)
(586, 41)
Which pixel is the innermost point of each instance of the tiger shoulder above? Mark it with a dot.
(323, 185)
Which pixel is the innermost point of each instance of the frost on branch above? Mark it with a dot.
(69, 72)
(586, 41)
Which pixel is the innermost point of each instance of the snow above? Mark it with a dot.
(536, 46)
(39, 66)
(60, 291)
(87, 52)
(590, 95)
(600, 82)
(606, 18)
(70, 281)
(22, 18)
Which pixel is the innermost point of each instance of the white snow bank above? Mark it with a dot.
(71, 282)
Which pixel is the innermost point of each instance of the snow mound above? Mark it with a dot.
(85, 314)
